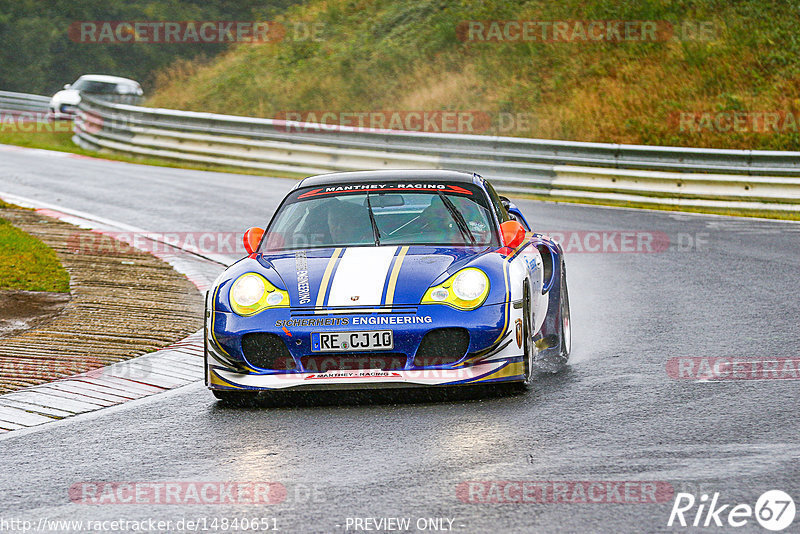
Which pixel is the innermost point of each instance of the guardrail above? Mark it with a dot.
(23, 102)
(743, 179)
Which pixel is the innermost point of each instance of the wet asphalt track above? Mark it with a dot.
(613, 414)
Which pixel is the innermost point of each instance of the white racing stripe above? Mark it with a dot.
(361, 272)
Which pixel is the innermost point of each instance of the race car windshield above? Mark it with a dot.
(94, 87)
(385, 214)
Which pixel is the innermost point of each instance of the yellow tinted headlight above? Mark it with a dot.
(465, 290)
(252, 293)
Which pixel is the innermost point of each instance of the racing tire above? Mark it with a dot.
(566, 324)
(527, 336)
(527, 347)
(205, 339)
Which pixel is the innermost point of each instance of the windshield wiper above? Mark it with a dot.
(454, 213)
(376, 232)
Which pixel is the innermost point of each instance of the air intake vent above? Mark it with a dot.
(267, 351)
(442, 346)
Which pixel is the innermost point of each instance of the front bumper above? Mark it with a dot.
(494, 352)
(503, 370)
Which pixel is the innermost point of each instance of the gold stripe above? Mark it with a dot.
(217, 380)
(395, 273)
(525, 243)
(326, 277)
(509, 370)
(507, 303)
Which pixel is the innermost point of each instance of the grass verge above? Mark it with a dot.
(28, 264)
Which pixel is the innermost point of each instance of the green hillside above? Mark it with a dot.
(39, 53)
(718, 74)
(28, 264)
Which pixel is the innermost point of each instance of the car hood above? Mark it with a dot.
(366, 276)
(67, 96)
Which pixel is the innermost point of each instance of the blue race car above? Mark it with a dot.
(388, 279)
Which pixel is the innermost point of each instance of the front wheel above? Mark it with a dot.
(527, 336)
(528, 347)
(566, 325)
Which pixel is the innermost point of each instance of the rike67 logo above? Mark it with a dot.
(774, 510)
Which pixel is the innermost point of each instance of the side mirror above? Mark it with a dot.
(252, 237)
(512, 233)
(67, 85)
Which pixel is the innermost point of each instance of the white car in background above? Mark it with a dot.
(64, 103)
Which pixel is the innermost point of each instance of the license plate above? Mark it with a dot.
(351, 341)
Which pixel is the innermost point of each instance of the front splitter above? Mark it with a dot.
(493, 371)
